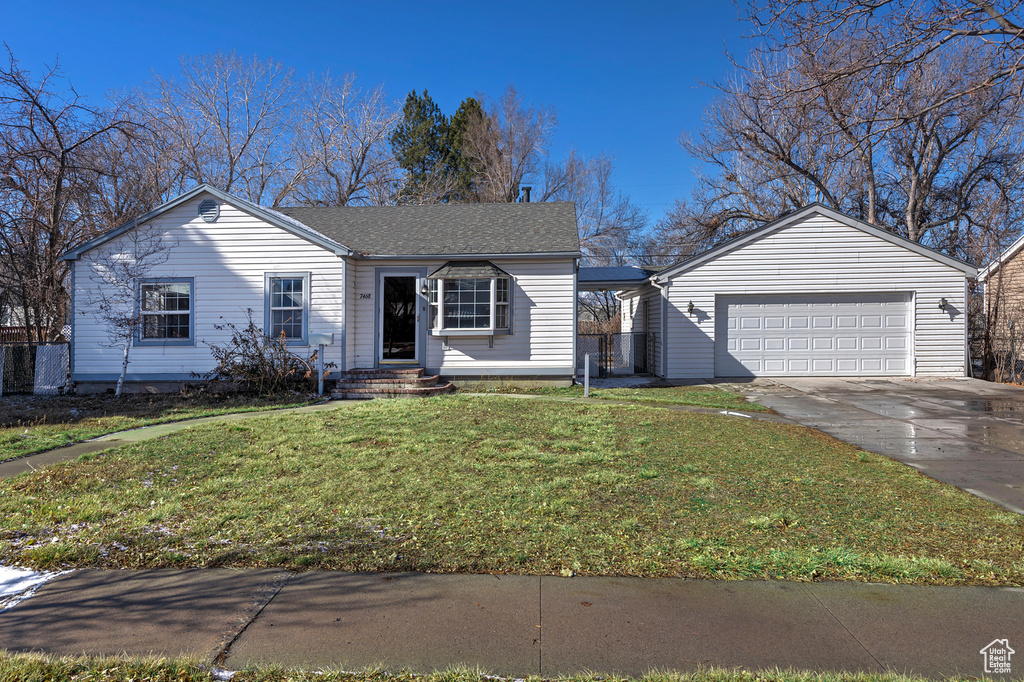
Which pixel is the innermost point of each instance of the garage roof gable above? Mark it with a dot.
(796, 217)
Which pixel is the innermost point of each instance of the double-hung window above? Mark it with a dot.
(287, 306)
(470, 298)
(166, 311)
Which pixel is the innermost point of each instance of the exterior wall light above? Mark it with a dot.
(424, 290)
(689, 308)
(943, 303)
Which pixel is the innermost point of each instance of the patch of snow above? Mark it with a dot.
(734, 414)
(18, 584)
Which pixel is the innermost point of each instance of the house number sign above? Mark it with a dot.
(365, 296)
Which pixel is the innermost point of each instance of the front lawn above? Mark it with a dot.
(699, 396)
(499, 484)
(30, 424)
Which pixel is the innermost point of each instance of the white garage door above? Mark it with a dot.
(813, 334)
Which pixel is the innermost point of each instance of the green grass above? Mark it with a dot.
(698, 396)
(39, 668)
(505, 485)
(31, 424)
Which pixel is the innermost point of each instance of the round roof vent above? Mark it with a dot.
(209, 210)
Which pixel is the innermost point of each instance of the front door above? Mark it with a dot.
(399, 322)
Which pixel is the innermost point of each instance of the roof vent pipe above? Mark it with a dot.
(526, 194)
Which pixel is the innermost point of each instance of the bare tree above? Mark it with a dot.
(873, 144)
(342, 144)
(902, 32)
(608, 221)
(48, 178)
(507, 145)
(117, 294)
(224, 119)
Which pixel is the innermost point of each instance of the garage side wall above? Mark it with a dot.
(641, 312)
(818, 256)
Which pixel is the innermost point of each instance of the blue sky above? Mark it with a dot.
(624, 79)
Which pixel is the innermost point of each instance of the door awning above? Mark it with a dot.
(468, 269)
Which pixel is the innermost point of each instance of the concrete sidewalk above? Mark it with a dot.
(26, 463)
(515, 625)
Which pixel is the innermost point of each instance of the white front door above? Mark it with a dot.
(857, 334)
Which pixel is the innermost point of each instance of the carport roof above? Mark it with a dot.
(613, 278)
(795, 217)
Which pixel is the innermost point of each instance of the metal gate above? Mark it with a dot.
(616, 354)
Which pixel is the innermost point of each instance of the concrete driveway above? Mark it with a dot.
(966, 432)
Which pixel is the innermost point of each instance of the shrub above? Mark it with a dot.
(254, 362)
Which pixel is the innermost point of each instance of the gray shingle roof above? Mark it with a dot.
(620, 273)
(448, 229)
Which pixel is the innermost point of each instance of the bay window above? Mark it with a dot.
(469, 299)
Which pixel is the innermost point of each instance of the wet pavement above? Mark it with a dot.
(965, 432)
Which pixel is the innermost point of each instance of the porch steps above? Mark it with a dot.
(366, 384)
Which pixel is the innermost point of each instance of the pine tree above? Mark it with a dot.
(421, 144)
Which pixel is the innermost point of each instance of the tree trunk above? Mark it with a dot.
(124, 369)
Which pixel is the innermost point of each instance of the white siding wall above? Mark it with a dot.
(542, 339)
(646, 317)
(228, 259)
(817, 255)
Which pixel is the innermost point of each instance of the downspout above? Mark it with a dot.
(344, 314)
(71, 341)
(968, 368)
(663, 288)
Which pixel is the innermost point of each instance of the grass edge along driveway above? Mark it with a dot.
(502, 485)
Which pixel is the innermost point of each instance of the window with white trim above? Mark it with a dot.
(165, 311)
(470, 305)
(287, 306)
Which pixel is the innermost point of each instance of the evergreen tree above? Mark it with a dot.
(460, 163)
(421, 144)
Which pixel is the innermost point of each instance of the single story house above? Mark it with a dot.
(814, 293)
(467, 291)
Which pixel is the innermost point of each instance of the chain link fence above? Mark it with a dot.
(618, 354)
(39, 368)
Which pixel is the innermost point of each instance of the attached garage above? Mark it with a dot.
(867, 334)
(815, 293)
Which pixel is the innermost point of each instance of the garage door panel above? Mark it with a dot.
(797, 366)
(813, 334)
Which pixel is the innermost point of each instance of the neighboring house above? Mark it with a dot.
(1004, 289)
(467, 291)
(814, 293)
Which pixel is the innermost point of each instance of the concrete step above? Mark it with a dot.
(390, 382)
(391, 392)
(384, 373)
